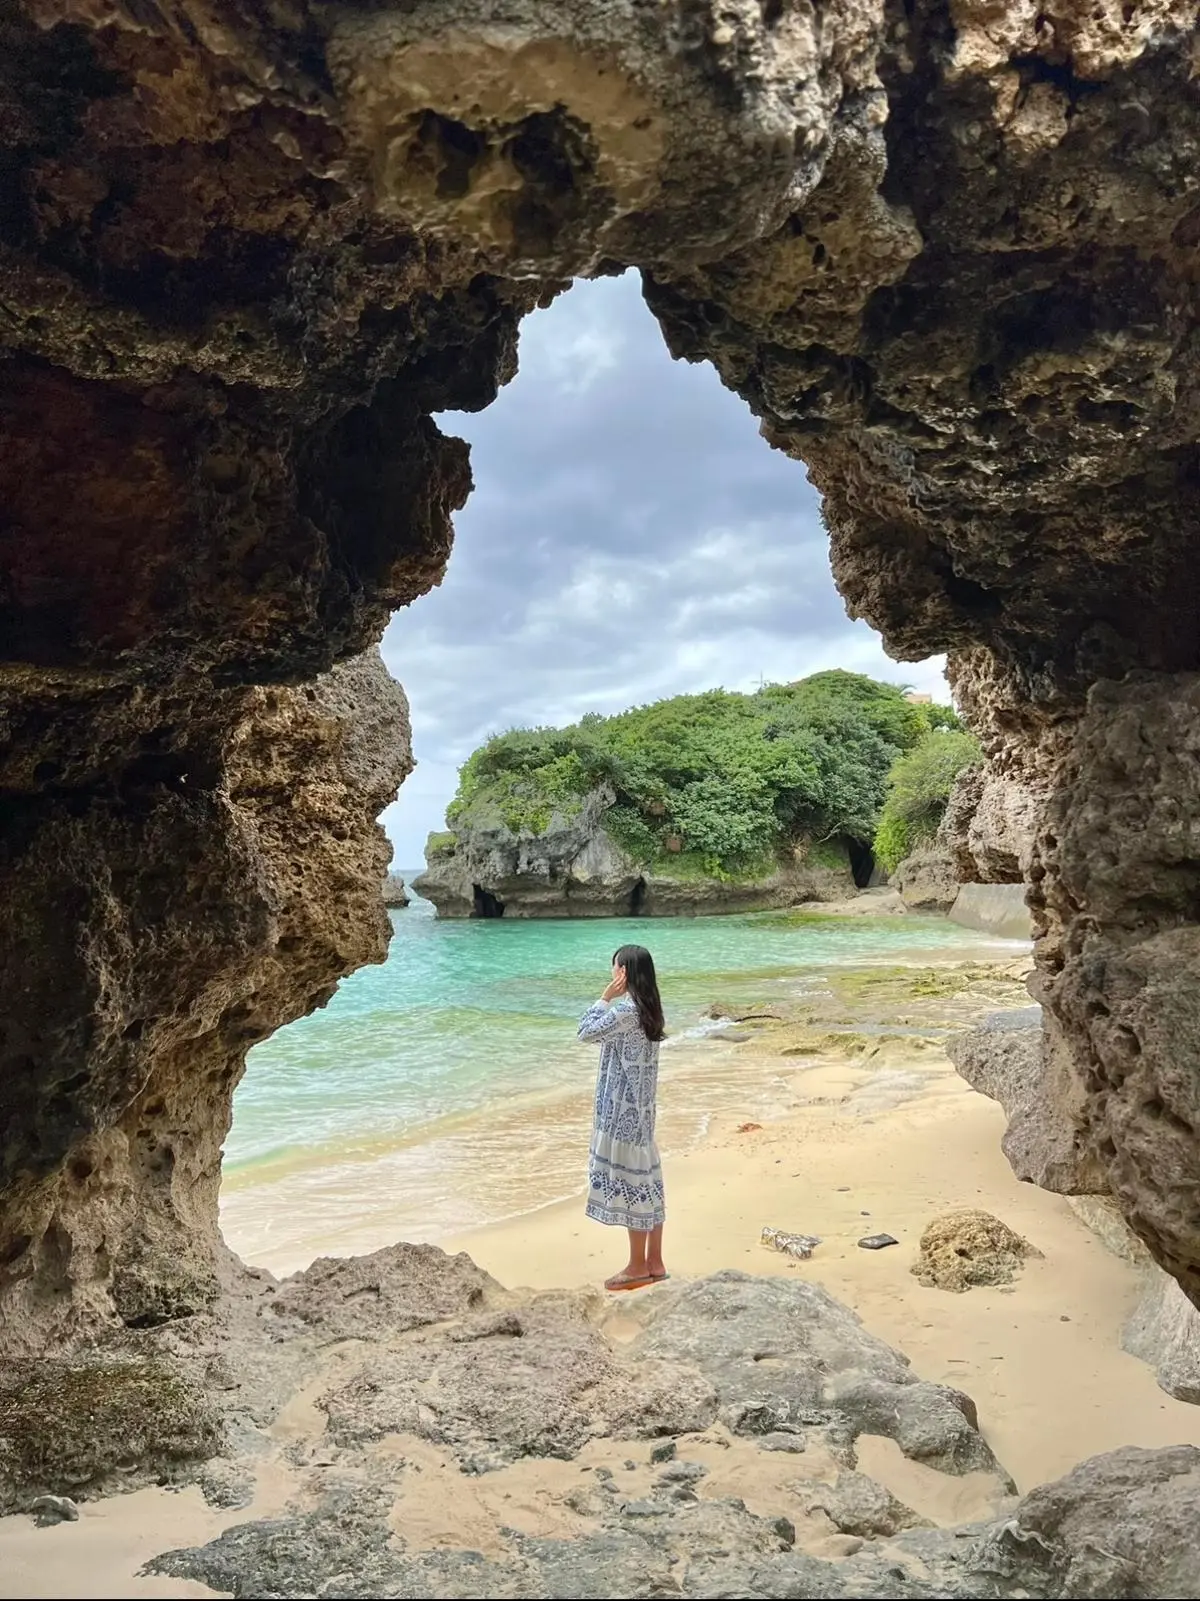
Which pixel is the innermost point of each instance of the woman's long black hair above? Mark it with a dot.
(642, 984)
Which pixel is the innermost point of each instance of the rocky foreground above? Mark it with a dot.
(437, 1435)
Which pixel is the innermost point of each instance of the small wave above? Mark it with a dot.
(704, 1029)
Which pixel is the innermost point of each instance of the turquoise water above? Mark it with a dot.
(445, 1088)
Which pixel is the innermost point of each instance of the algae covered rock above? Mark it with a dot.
(90, 1426)
(970, 1247)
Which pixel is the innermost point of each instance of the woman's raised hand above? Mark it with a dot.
(616, 986)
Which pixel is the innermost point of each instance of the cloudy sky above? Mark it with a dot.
(630, 536)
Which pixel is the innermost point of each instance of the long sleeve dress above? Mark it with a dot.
(625, 1186)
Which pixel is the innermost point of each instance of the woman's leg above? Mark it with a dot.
(653, 1249)
(637, 1252)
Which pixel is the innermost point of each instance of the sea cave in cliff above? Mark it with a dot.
(946, 255)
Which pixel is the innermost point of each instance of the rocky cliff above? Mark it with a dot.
(574, 868)
(945, 251)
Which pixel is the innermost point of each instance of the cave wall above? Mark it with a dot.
(947, 253)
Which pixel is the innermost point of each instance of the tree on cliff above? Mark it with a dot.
(918, 789)
(719, 781)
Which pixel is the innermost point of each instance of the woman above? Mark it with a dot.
(625, 1186)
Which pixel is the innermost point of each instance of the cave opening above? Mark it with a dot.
(862, 862)
(486, 904)
(637, 898)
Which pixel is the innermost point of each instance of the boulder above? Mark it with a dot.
(1121, 1524)
(394, 892)
(855, 1504)
(969, 1247)
(927, 880)
(391, 1291)
(785, 1356)
(89, 1425)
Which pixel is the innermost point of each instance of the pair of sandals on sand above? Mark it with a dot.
(634, 1281)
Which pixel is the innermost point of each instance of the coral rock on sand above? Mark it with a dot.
(855, 1504)
(964, 1248)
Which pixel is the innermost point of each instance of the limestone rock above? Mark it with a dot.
(245, 873)
(954, 830)
(1009, 1059)
(48, 1510)
(535, 1381)
(574, 868)
(785, 1355)
(1120, 847)
(1118, 1525)
(990, 826)
(390, 1291)
(394, 893)
(1164, 1330)
(1101, 1214)
(970, 1247)
(856, 1504)
(927, 880)
(85, 1427)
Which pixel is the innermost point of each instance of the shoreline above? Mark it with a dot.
(458, 1172)
(1040, 1357)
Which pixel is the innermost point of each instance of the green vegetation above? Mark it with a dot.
(918, 788)
(443, 844)
(711, 785)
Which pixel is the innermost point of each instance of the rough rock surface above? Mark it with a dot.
(196, 908)
(399, 1288)
(990, 826)
(518, 1380)
(855, 1504)
(1164, 1330)
(88, 1426)
(1009, 1058)
(540, 1380)
(394, 891)
(575, 868)
(785, 1355)
(1117, 1525)
(927, 880)
(1120, 960)
(970, 1247)
(945, 252)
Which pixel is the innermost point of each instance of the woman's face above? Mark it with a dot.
(617, 970)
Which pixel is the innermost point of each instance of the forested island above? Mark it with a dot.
(712, 802)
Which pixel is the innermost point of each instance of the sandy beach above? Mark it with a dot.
(872, 1131)
(1041, 1357)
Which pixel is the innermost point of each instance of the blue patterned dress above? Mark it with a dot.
(625, 1185)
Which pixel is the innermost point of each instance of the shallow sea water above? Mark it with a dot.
(445, 1089)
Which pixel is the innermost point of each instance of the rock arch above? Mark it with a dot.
(946, 254)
